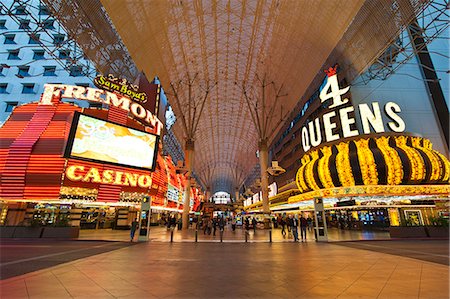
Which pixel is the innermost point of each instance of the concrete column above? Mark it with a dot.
(189, 157)
(263, 163)
(237, 195)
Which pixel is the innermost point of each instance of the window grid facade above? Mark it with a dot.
(26, 66)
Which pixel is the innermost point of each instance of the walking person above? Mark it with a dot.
(283, 226)
(247, 223)
(254, 222)
(214, 226)
(134, 227)
(294, 224)
(303, 226)
(310, 224)
(221, 224)
(233, 224)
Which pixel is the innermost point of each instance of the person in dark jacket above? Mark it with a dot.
(134, 227)
(294, 224)
(283, 226)
(254, 222)
(303, 226)
(214, 226)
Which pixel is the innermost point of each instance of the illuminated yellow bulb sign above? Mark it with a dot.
(93, 175)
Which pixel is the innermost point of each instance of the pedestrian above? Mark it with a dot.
(294, 224)
(289, 225)
(221, 223)
(254, 222)
(283, 226)
(233, 224)
(134, 227)
(214, 226)
(210, 225)
(303, 226)
(310, 224)
(247, 223)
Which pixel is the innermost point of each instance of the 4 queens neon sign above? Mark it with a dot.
(325, 128)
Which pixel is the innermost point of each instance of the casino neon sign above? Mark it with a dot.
(79, 173)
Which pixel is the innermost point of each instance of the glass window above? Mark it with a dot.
(13, 55)
(58, 39)
(20, 10)
(64, 54)
(9, 39)
(1, 71)
(3, 24)
(76, 71)
(34, 39)
(24, 24)
(28, 88)
(23, 71)
(48, 24)
(49, 71)
(3, 87)
(82, 84)
(10, 106)
(43, 10)
(38, 54)
(95, 105)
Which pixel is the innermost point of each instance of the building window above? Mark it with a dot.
(28, 88)
(34, 39)
(48, 24)
(24, 24)
(10, 106)
(9, 39)
(58, 39)
(64, 54)
(3, 87)
(38, 54)
(13, 55)
(82, 84)
(1, 71)
(95, 105)
(76, 71)
(49, 71)
(3, 24)
(20, 10)
(23, 71)
(43, 10)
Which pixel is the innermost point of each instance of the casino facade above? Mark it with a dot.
(85, 167)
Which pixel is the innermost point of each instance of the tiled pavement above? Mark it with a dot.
(161, 234)
(235, 270)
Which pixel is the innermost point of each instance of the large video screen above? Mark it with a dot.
(95, 139)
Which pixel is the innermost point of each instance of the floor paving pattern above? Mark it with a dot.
(235, 270)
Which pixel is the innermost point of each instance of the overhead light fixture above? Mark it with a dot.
(275, 169)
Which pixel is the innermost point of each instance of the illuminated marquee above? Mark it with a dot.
(101, 96)
(78, 173)
(371, 117)
(121, 86)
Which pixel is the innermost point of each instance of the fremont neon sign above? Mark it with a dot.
(371, 118)
(101, 96)
(78, 173)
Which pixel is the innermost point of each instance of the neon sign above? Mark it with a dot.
(93, 175)
(371, 118)
(101, 96)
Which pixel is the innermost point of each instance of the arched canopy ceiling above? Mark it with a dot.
(231, 43)
(234, 46)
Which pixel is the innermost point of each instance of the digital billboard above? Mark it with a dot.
(95, 139)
